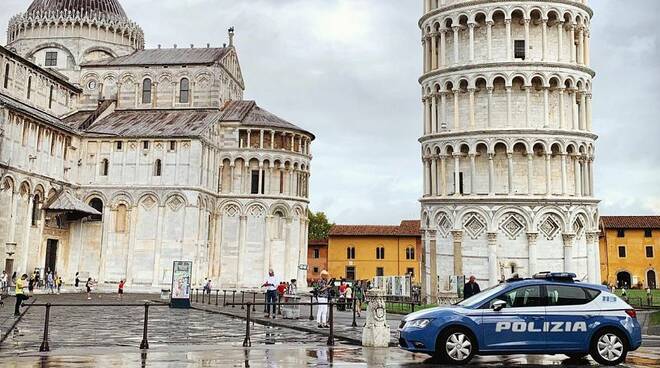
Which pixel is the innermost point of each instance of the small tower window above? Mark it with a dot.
(184, 91)
(172, 145)
(50, 98)
(51, 58)
(6, 81)
(146, 91)
(120, 145)
(519, 49)
(97, 204)
(29, 87)
(158, 168)
(145, 145)
(105, 165)
(36, 214)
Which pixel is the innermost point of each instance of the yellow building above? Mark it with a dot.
(629, 247)
(360, 252)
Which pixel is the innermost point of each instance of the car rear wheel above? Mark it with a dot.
(608, 347)
(455, 346)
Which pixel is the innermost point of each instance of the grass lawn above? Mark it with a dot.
(654, 319)
(637, 293)
(405, 309)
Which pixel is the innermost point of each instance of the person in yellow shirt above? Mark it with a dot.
(20, 294)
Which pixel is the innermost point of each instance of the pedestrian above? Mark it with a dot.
(207, 286)
(77, 282)
(324, 287)
(3, 282)
(88, 286)
(50, 281)
(293, 287)
(30, 284)
(271, 284)
(58, 283)
(359, 298)
(471, 288)
(20, 294)
(348, 293)
(120, 292)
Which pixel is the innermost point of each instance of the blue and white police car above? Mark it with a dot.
(550, 313)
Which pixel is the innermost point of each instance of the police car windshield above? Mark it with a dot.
(478, 299)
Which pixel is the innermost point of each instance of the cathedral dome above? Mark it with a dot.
(110, 8)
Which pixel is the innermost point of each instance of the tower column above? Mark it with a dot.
(457, 123)
(491, 175)
(443, 110)
(560, 41)
(563, 174)
(562, 108)
(457, 171)
(509, 157)
(443, 47)
(532, 253)
(456, 43)
(473, 174)
(489, 36)
(471, 30)
(443, 174)
(569, 262)
(509, 54)
(492, 258)
(592, 248)
(490, 107)
(548, 177)
(434, 52)
(433, 261)
(472, 108)
(434, 114)
(457, 235)
(530, 173)
(434, 178)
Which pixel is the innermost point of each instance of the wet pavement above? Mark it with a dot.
(100, 336)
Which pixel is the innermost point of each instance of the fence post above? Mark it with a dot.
(311, 307)
(242, 299)
(247, 342)
(224, 297)
(196, 295)
(354, 322)
(331, 317)
(254, 300)
(145, 344)
(412, 307)
(233, 298)
(217, 293)
(203, 294)
(44, 344)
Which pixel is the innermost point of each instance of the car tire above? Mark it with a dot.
(455, 346)
(609, 347)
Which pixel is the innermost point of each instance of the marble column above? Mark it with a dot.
(433, 176)
(473, 174)
(560, 41)
(490, 107)
(457, 236)
(433, 261)
(530, 176)
(532, 253)
(457, 122)
(434, 113)
(489, 37)
(562, 108)
(443, 48)
(564, 184)
(457, 171)
(443, 174)
(491, 175)
(509, 53)
(592, 248)
(434, 51)
(471, 108)
(456, 43)
(471, 31)
(569, 261)
(492, 258)
(548, 176)
(509, 165)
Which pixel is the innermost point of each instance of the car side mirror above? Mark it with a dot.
(498, 305)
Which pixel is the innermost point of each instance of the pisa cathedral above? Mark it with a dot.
(116, 160)
(508, 144)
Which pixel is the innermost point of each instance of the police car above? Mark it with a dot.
(550, 313)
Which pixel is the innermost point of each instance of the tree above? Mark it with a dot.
(319, 226)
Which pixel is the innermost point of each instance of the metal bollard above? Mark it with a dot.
(242, 299)
(247, 342)
(412, 307)
(354, 321)
(254, 300)
(145, 344)
(311, 308)
(217, 292)
(233, 297)
(209, 302)
(224, 297)
(196, 295)
(44, 343)
(203, 295)
(331, 317)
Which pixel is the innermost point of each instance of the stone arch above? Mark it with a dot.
(231, 207)
(122, 197)
(550, 210)
(176, 201)
(25, 187)
(8, 182)
(461, 216)
(281, 207)
(95, 193)
(502, 215)
(52, 45)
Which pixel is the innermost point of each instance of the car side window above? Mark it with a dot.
(526, 296)
(568, 295)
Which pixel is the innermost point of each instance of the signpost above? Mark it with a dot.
(181, 288)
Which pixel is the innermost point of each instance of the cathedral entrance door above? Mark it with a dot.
(650, 279)
(51, 254)
(9, 267)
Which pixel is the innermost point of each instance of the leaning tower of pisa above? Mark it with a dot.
(508, 145)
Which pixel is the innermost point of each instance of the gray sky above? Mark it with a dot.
(347, 70)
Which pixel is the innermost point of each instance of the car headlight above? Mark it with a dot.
(418, 323)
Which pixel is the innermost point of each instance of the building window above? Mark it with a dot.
(50, 98)
(29, 88)
(97, 204)
(317, 253)
(172, 145)
(620, 233)
(380, 253)
(36, 214)
(184, 91)
(519, 49)
(649, 251)
(254, 189)
(120, 225)
(648, 233)
(51, 58)
(622, 251)
(350, 253)
(158, 168)
(105, 166)
(350, 273)
(6, 81)
(316, 270)
(410, 253)
(281, 182)
(145, 145)
(410, 271)
(146, 91)
(380, 271)
(119, 145)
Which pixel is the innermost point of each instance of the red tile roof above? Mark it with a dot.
(630, 222)
(318, 242)
(407, 228)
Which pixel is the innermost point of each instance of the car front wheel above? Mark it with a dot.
(608, 348)
(455, 346)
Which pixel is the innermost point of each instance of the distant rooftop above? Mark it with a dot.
(178, 56)
(631, 222)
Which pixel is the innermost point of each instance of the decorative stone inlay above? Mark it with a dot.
(444, 225)
(175, 203)
(232, 210)
(578, 227)
(474, 224)
(512, 225)
(149, 202)
(550, 227)
(256, 211)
